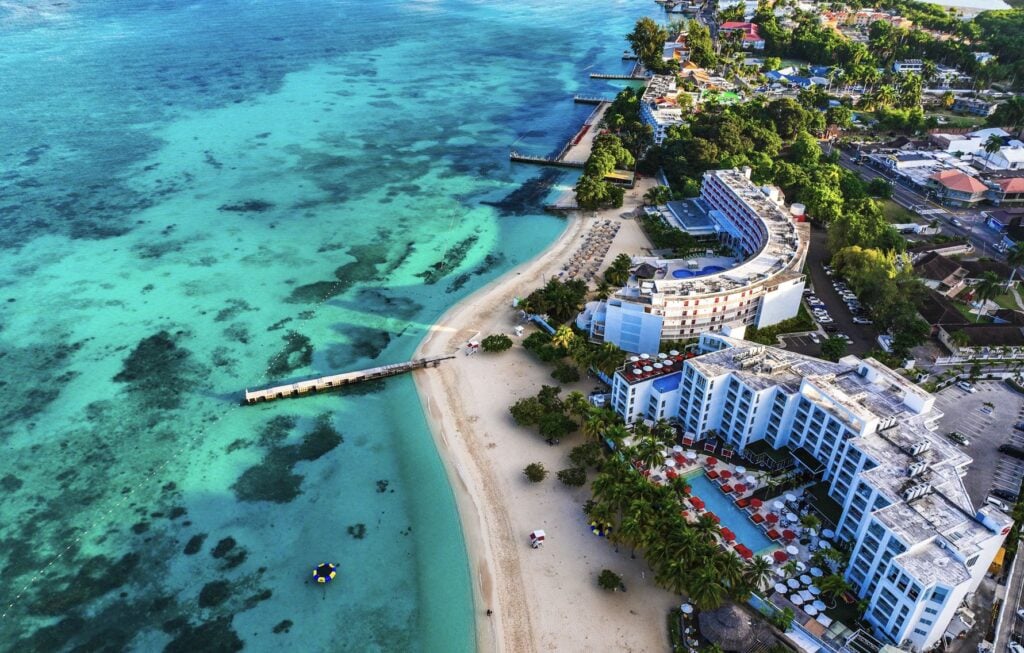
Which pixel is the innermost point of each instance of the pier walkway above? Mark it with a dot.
(335, 381)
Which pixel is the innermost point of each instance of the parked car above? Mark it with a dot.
(815, 339)
(965, 386)
(862, 320)
(955, 222)
(830, 328)
(959, 438)
(825, 320)
(1005, 508)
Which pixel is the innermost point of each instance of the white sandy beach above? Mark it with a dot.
(545, 599)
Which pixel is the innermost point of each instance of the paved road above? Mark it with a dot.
(1010, 627)
(972, 222)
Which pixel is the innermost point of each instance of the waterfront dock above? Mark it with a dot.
(335, 381)
(629, 77)
(576, 150)
(589, 99)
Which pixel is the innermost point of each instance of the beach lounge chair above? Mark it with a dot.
(726, 453)
(710, 447)
(712, 474)
(772, 534)
(757, 518)
(743, 503)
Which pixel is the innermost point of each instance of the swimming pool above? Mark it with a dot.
(734, 518)
(708, 269)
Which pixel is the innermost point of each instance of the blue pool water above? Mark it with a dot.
(736, 519)
(686, 274)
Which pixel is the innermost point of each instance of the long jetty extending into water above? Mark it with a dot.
(626, 77)
(335, 381)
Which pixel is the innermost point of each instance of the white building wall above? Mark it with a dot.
(632, 329)
(780, 304)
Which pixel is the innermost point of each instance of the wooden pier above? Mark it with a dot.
(335, 381)
(545, 160)
(589, 99)
(628, 78)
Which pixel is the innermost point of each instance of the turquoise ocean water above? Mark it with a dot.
(202, 196)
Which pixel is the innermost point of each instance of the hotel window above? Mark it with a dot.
(939, 595)
(931, 611)
(918, 631)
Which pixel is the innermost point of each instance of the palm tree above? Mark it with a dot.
(680, 487)
(617, 434)
(987, 288)
(608, 358)
(705, 589)
(1015, 258)
(732, 572)
(706, 527)
(833, 585)
(603, 289)
(650, 451)
(810, 521)
(992, 145)
(959, 338)
(595, 425)
(759, 573)
(563, 338)
(576, 404)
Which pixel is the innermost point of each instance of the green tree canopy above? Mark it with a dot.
(647, 40)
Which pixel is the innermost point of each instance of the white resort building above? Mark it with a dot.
(759, 282)
(917, 545)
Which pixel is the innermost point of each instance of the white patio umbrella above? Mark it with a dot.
(824, 544)
(790, 497)
(777, 505)
(791, 517)
(740, 470)
(677, 449)
(751, 480)
(670, 462)
(686, 608)
(780, 588)
(793, 583)
(796, 599)
(800, 566)
(691, 455)
(828, 532)
(811, 610)
(792, 550)
(805, 579)
(814, 590)
(817, 572)
(820, 605)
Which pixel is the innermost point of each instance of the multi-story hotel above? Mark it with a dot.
(760, 282)
(918, 546)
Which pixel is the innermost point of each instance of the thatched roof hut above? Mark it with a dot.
(727, 626)
(645, 271)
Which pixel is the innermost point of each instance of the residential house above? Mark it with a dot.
(951, 248)
(984, 341)
(749, 34)
(908, 66)
(1005, 190)
(1009, 157)
(974, 106)
(943, 275)
(937, 310)
(1000, 220)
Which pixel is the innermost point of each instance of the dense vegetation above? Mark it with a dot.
(607, 155)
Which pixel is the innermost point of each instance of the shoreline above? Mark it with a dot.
(541, 600)
(464, 480)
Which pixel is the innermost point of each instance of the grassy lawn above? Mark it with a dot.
(1006, 301)
(957, 120)
(896, 214)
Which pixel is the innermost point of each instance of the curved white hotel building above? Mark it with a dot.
(894, 486)
(672, 299)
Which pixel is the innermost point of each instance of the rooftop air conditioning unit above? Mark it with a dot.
(917, 468)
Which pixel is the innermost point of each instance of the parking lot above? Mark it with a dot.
(862, 335)
(987, 429)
